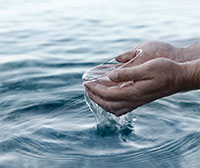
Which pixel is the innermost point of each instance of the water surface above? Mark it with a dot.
(46, 46)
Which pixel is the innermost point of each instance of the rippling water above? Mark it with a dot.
(46, 46)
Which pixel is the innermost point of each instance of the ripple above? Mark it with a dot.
(44, 120)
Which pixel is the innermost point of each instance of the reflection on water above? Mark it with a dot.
(46, 47)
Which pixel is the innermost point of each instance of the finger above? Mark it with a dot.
(129, 74)
(107, 83)
(124, 57)
(116, 108)
(122, 112)
(108, 92)
(101, 102)
(137, 60)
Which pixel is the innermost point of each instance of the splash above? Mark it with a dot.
(108, 124)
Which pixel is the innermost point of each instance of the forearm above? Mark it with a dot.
(190, 53)
(191, 75)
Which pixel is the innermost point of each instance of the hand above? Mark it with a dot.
(152, 50)
(152, 80)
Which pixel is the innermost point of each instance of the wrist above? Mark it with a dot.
(181, 55)
(190, 53)
(190, 75)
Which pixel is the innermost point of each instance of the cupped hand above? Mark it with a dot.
(151, 80)
(152, 50)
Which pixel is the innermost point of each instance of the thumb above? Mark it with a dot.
(124, 57)
(128, 74)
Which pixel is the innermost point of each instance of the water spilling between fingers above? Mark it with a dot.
(107, 123)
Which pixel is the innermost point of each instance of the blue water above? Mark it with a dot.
(46, 46)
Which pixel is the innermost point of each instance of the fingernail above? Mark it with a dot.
(121, 58)
(85, 83)
(89, 84)
(113, 75)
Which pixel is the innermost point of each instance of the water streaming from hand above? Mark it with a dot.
(46, 47)
(108, 123)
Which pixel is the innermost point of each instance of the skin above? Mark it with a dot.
(161, 71)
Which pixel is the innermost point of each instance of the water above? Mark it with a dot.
(46, 46)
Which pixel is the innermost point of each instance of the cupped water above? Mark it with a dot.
(107, 121)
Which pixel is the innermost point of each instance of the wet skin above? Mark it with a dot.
(161, 71)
